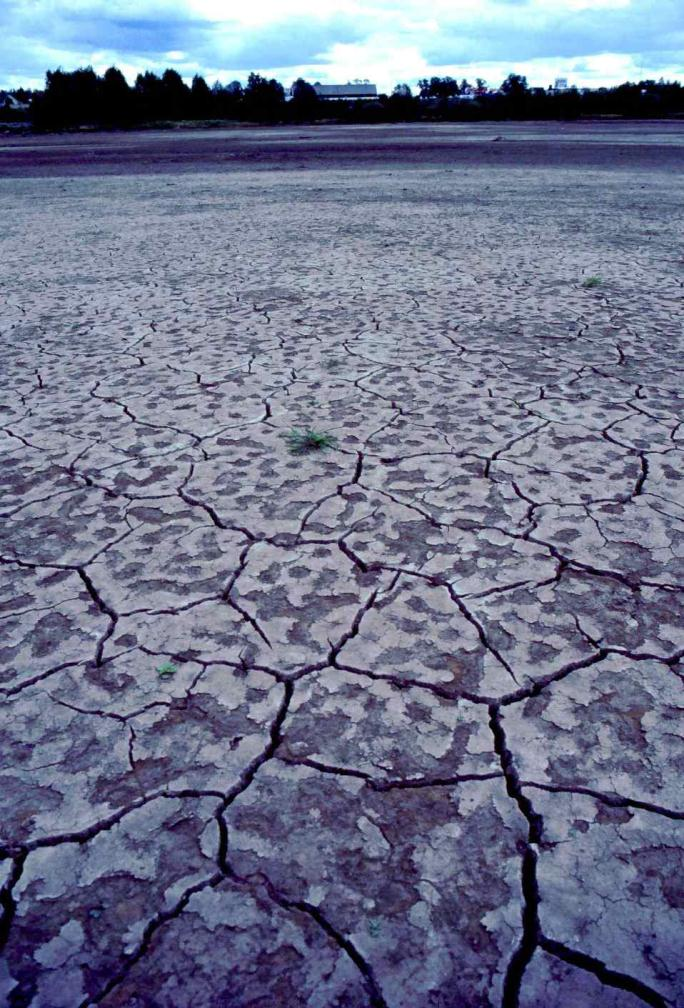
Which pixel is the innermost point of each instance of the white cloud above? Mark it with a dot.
(591, 41)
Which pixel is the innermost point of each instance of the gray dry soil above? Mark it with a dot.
(394, 724)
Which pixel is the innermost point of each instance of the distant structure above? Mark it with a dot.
(560, 85)
(10, 103)
(352, 89)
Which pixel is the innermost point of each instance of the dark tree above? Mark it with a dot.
(263, 99)
(116, 100)
(438, 87)
(305, 102)
(227, 99)
(148, 95)
(401, 105)
(69, 98)
(201, 98)
(175, 96)
(515, 86)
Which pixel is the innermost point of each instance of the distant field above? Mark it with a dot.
(615, 144)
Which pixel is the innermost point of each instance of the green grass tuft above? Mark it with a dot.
(591, 282)
(303, 442)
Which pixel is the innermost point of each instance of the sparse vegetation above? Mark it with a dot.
(303, 442)
(167, 670)
(591, 282)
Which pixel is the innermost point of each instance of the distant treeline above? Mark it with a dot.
(84, 98)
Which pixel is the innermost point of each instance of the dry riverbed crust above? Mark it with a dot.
(387, 721)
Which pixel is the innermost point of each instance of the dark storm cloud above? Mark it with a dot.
(65, 33)
(642, 27)
(64, 26)
(132, 35)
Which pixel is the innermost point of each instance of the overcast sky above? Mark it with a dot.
(592, 42)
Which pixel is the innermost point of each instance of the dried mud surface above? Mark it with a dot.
(619, 146)
(393, 724)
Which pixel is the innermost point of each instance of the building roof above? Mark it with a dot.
(9, 101)
(355, 90)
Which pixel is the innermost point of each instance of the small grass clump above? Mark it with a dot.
(306, 441)
(591, 282)
(167, 671)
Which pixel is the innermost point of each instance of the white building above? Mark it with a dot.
(351, 90)
(10, 103)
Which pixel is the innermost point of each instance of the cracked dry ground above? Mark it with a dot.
(420, 747)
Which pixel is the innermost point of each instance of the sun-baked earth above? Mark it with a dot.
(388, 722)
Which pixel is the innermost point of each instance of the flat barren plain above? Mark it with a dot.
(391, 721)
